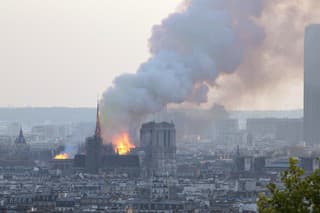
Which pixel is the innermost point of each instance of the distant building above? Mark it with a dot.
(22, 149)
(262, 126)
(51, 131)
(232, 138)
(309, 164)
(159, 188)
(120, 164)
(17, 155)
(244, 163)
(249, 163)
(226, 131)
(259, 164)
(20, 139)
(225, 126)
(290, 130)
(158, 140)
(311, 85)
(246, 184)
(62, 164)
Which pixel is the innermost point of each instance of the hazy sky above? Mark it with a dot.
(66, 52)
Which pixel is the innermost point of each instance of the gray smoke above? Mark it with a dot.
(190, 49)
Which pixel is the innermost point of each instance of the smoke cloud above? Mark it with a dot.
(190, 49)
(271, 75)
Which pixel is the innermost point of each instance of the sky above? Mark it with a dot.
(67, 52)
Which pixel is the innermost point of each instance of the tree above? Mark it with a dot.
(300, 194)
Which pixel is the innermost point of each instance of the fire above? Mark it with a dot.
(122, 144)
(61, 156)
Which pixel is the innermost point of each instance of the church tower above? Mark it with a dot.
(22, 149)
(20, 139)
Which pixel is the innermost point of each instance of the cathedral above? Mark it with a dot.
(21, 148)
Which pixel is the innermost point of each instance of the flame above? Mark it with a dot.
(61, 156)
(122, 144)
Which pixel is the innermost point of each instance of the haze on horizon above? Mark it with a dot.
(66, 53)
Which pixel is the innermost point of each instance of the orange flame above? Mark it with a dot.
(122, 144)
(61, 156)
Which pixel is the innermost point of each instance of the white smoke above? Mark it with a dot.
(189, 51)
(271, 75)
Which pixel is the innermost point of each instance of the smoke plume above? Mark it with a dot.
(271, 75)
(189, 49)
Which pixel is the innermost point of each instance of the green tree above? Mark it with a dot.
(299, 194)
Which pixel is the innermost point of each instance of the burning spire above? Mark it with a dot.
(98, 126)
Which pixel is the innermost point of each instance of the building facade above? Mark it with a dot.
(311, 85)
(158, 140)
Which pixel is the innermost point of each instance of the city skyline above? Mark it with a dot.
(160, 106)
